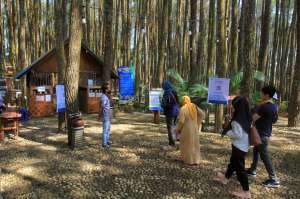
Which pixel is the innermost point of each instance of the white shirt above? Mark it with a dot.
(239, 137)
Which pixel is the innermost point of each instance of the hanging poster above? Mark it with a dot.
(41, 89)
(60, 98)
(154, 100)
(126, 82)
(39, 98)
(48, 98)
(91, 94)
(90, 82)
(218, 90)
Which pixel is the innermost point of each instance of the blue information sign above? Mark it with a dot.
(126, 82)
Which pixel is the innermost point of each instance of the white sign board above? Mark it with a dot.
(60, 98)
(154, 100)
(92, 94)
(218, 90)
(48, 98)
(41, 89)
(90, 82)
(40, 98)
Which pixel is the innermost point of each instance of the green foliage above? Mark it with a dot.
(283, 107)
(256, 96)
(183, 88)
(235, 82)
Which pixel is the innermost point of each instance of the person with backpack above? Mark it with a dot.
(238, 130)
(265, 115)
(170, 105)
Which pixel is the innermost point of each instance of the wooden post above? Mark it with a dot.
(156, 117)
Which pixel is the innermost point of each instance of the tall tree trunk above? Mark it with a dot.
(221, 60)
(292, 51)
(161, 44)
(275, 45)
(194, 69)
(211, 39)
(9, 19)
(72, 69)
(249, 51)
(241, 41)
(201, 55)
(60, 50)
(22, 45)
(294, 105)
(2, 57)
(108, 51)
(171, 57)
(47, 31)
(128, 33)
(264, 40)
(233, 60)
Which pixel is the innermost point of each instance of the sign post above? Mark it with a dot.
(218, 90)
(60, 99)
(154, 104)
(126, 82)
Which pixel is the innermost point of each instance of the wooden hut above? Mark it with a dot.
(42, 78)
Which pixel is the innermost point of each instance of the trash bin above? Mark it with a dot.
(77, 130)
(77, 137)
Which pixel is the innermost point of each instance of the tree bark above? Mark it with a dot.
(108, 51)
(60, 50)
(221, 60)
(275, 45)
(241, 42)
(72, 69)
(249, 51)
(22, 45)
(234, 38)
(2, 63)
(162, 36)
(264, 40)
(201, 54)
(294, 105)
(194, 69)
(211, 39)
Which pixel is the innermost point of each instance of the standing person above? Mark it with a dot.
(170, 105)
(104, 114)
(238, 131)
(189, 124)
(264, 116)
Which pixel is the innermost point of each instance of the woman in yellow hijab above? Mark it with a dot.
(189, 126)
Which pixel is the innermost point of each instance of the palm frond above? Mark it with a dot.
(175, 76)
(199, 90)
(235, 82)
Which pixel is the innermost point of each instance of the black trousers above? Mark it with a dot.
(262, 151)
(237, 164)
(170, 122)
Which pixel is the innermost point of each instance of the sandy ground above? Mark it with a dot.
(40, 165)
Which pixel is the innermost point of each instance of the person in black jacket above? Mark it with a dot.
(170, 105)
(265, 115)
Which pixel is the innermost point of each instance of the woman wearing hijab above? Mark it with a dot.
(190, 118)
(170, 105)
(238, 131)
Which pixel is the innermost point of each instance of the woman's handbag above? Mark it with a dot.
(254, 137)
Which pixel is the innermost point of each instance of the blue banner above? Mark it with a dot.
(60, 98)
(126, 82)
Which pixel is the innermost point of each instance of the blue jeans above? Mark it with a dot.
(106, 132)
